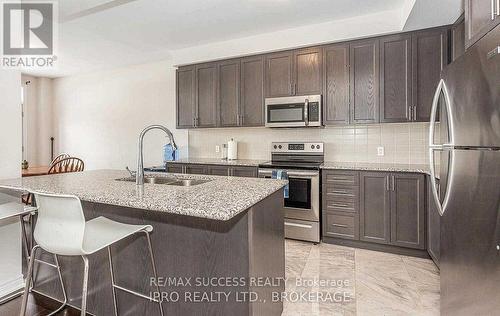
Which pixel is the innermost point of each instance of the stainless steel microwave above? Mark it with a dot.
(298, 111)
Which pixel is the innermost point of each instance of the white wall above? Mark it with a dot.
(38, 105)
(11, 278)
(99, 116)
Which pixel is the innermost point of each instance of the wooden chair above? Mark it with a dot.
(66, 165)
(63, 163)
(59, 158)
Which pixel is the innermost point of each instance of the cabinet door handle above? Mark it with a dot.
(340, 225)
(340, 205)
(393, 183)
(387, 183)
(494, 52)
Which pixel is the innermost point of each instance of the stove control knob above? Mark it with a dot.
(312, 146)
(317, 146)
(280, 147)
(275, 146)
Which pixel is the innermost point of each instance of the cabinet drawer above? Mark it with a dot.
(341, 205)
(341, 192)
(341, 178)
(340, 225)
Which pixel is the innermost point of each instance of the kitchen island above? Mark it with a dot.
(219, 245)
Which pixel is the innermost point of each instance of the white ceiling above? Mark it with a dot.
(98, 34)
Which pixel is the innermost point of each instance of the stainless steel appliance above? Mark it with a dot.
(301, 162)
(468, 103)
(298, 111)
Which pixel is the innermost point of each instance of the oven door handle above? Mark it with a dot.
(294, 174)
(298, 225)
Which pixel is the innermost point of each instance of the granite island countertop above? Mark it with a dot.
(222, 198)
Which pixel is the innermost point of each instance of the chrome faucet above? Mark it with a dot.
(139, 177)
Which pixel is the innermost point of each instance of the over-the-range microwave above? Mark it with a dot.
(297, 111)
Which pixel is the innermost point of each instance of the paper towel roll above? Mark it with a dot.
(232, 150)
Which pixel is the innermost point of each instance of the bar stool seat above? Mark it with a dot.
(102, 232)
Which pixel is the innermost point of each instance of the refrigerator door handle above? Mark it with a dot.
(440, 147)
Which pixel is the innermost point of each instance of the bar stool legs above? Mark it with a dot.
(114, 286)
(153, 264)
(29, 281)
(112, 281)
(58, 267)
(85, 285)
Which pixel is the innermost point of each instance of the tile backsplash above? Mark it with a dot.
(403, 143)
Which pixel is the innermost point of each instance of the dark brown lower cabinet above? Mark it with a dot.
(375, 211)
(392, 209)
(215, 170)
(248, 172)
(195, 169)
(433, 228)
(408, 210)
(384, 208)
(218, 170)
(340, 191)
(175, 168)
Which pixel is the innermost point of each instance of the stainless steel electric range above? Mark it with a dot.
(302, 162)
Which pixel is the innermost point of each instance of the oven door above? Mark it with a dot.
(303, 198)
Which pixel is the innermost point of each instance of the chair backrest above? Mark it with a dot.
(58, 158)
(66, 165)
(60, 224)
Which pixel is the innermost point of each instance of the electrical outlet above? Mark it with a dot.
(217, 148)
(380, 151)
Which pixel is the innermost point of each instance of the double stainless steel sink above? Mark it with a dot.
(169, 181)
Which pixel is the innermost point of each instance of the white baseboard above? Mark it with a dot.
(11, 288)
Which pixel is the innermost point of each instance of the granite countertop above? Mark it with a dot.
(218, 161)
(222, 198)
(373, 166)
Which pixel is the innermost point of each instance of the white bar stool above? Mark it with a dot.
(61, 229)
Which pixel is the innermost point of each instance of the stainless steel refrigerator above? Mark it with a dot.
(467, 138)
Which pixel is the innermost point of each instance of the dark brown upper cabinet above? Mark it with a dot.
(186, 113)
(408, 210)
(294, 73)
(458, 38)
(364, 81)
(206, 95)
(252, 91)
(307, 70)
(430, 55)
(382, 79)
(395, 79)
(228, 84)
(375, 212)
(336, 84)
(278, 74)
(481, 16)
